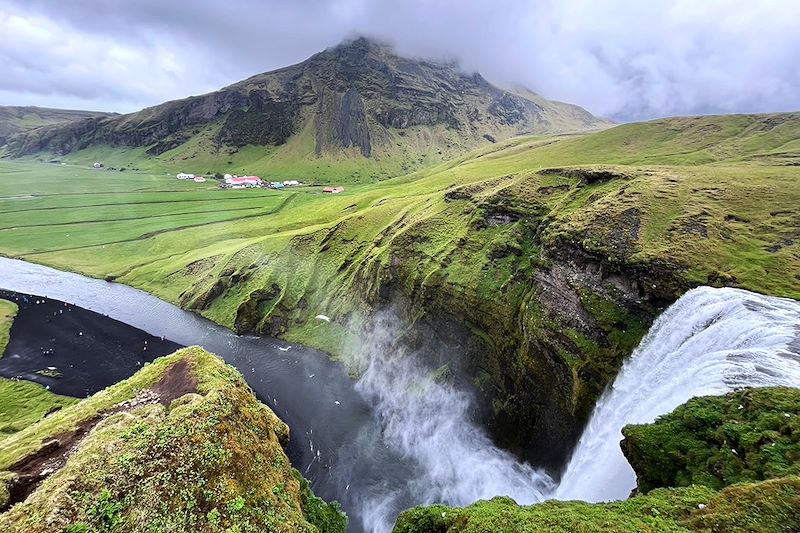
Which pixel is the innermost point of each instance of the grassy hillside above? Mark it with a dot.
(552, 253)
(8, 310)
(21, 402)
(183, 445)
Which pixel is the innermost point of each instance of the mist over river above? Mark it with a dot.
(399, 436)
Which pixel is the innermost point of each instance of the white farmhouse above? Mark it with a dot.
(184, 176)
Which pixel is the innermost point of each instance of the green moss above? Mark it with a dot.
(659, 512)
(22, 403)
(210, 460)
(326, 517)
(8, 310)
(747, 435)
(768, 506)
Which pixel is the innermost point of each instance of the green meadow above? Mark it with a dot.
(713, 197)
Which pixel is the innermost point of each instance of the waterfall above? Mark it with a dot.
(710, 341)
(429, 422)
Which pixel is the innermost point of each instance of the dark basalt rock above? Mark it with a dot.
(588, 176)
(350, 128)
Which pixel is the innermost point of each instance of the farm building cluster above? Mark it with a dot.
(230, 181)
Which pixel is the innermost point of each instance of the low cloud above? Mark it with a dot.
(628, 60)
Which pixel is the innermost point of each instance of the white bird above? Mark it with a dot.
(323, 317)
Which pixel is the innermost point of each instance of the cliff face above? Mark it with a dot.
(356, 95)
(15, 120)
(183, 445)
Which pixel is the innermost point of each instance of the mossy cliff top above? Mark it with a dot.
(747, 435)
(768, 506)
(690, 446)
(183, 445)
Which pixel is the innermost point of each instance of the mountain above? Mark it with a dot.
(14, 120)
(358, 102)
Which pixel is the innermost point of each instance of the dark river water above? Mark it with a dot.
(94, 333)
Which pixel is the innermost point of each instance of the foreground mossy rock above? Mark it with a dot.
(764, 507)
(183, 445)
(747, 435)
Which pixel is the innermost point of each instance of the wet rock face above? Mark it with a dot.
(265, 121)
(341, 122)
(350, 128)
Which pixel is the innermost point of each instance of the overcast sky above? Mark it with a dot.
(629, 60)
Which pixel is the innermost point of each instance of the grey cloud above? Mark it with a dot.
(627, 59)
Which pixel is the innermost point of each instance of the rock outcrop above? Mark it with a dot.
(183, 445)
(15, 120)
(747, 435)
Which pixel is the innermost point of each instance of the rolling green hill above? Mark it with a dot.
(356, 109)
(541, 259)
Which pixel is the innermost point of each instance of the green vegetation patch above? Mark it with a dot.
(8, 311)
(747, 435)
(23, 402)
(554, 252)
(183, 445)
(764, 507)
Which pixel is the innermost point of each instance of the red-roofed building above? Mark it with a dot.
(244, 181)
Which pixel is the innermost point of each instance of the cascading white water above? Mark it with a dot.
(710, 341)
(430, 423)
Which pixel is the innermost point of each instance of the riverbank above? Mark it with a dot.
(71, 350)
(8, 310)
(335, 440)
